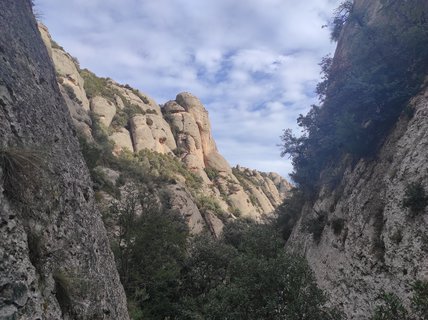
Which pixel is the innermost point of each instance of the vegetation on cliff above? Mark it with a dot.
(244, 275)
(365, 88)
(377, 68)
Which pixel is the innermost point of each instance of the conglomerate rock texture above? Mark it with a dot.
(55, 259)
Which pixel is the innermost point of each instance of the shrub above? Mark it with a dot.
(142, 97)
(150, 253)
(206, 203)
(391, 308)
(21, 169)
(55, 45)
(70, 92)
(179, 151)
(236, 212)
(289, 212)
(248, 275)
(362, 94)
(420, 299)
(415, 198)
(341, 16)
(212, 173)
(315, 226)
(96, 86)
(122, 117)
(102, 183)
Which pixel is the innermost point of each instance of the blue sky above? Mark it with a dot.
(253, 63)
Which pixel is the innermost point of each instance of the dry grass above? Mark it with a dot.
(20, 171)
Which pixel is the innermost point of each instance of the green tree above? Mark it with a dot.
(248, 275)
(150, 248)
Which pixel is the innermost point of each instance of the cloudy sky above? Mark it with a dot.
(253, 63)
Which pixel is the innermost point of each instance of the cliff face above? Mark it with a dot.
(369, 241)
(55, 258)
(180, 128)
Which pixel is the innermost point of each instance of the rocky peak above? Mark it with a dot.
(180, 128)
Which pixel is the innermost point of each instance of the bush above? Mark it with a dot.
(420, 299)
(122, 117)
(289, 212)
(415, 198)
(96, 86)
(235, 211)
(21, 169)
(341, 16)
(362, 94)
(70, 92)
(315, 226)
(212, 173)
(391, 308)
(248, 275)
(149, 246)
(208, 204)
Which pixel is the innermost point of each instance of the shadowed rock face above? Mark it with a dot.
(55, 258)
(370, 242)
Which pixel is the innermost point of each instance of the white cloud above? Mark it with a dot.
(253, 63)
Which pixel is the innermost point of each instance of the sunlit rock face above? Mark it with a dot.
(180, 128)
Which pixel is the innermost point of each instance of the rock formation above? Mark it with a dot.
(369, 241)
(56, 262)
(180, 128)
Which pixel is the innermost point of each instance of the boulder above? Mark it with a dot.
(181, 201)
(194, 107)
(172, 107)
(141, 134)
(122, 140)
(161, 132)
(66, 68)
(104, 108)
(152, 132)
(216, 161)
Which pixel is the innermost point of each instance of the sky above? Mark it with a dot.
(254, 64)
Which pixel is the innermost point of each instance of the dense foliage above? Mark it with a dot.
(149, 246)
(365, 88)
(415, 198)
(390, 307)
(244, 275)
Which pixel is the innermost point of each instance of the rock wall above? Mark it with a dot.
(180, 128)
(380, 246)
(55, 258)
(370, 242)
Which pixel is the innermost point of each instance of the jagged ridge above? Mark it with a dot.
(180, 128)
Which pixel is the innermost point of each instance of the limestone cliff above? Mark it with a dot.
(180, 128)
(368, 240)
(55, 262)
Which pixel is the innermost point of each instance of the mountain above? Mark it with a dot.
(362, 219)
(56, 262)
(179, 131)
